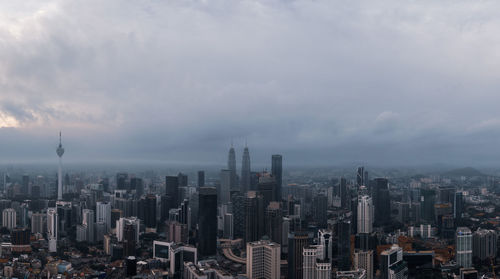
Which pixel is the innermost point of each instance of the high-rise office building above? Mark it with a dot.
(273, 222)
(148, 211)
(224, 190)
(364, 260)
(365, 214)
(137, 185)
(89, 224)
(25, 186)
(458, 207)
(320, 206)
(392, 264)
(183, 179)
(463, 242)
(267, 188)
(344, 244)
(382, 201)
(9, 218)
(207, 221)
(172, 190)
(238, 200)
(245, 171)
(52, 223)
(313, 266)
(360, 177)
(122, 223)
(296, 243)
(201, 179)
(231, 166)
(484, 244)
(121, 181)
(38, 223)
(326, 241)
(344, 193)
(254, 216)
(277, 172)
(263, 260)
(103, 210)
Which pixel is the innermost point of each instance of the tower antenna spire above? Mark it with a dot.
(60, 142)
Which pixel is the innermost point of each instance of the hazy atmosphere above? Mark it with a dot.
(321, 82)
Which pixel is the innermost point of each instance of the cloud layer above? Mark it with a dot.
(323, 82)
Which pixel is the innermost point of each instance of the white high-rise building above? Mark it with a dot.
(52, 221)
(313, 266)
(104, 214)
(89, 223)
(263, 260)
(326, 241)
(364, 260)
(464, 247)
(365, 214)
(60, 152)
(9, 218)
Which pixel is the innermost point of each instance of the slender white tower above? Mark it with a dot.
(60, 152)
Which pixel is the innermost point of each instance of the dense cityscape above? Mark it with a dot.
(299, 224)
(250, 139)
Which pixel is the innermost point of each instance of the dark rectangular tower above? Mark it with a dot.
(277, 172)
(207, 221)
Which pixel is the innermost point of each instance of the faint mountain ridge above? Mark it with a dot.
(467, 171)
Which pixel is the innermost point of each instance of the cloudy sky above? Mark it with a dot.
(320, 81)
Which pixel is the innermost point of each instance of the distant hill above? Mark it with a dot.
(468, 171)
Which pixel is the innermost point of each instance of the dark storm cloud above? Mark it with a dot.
(322, 82)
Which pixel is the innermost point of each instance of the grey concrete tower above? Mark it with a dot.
(245, 170)
(60, 152)
(231, 165)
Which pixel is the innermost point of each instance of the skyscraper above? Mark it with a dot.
(172, 190)
(52, 223)
(263, 260)
(60, 152)
(104, 214)
(343, 193)
(296, 243)
(207, 221)
(392, 264)
(364, 260)
(463, 242)
(458, 207)
(121, 181)
(360, 177)
(254, 216)
(245, 171)
(326, 241)
(9, 218)
(224, 190)
(231, 166)
(274, 220)
(382, 201)
(277, 172)
(201, 179)
(89, 223)
(484, 244)
(365, 214)
(344, 244)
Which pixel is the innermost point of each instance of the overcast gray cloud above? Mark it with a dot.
(323, 82)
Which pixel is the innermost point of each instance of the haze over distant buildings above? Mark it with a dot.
(321, 82)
